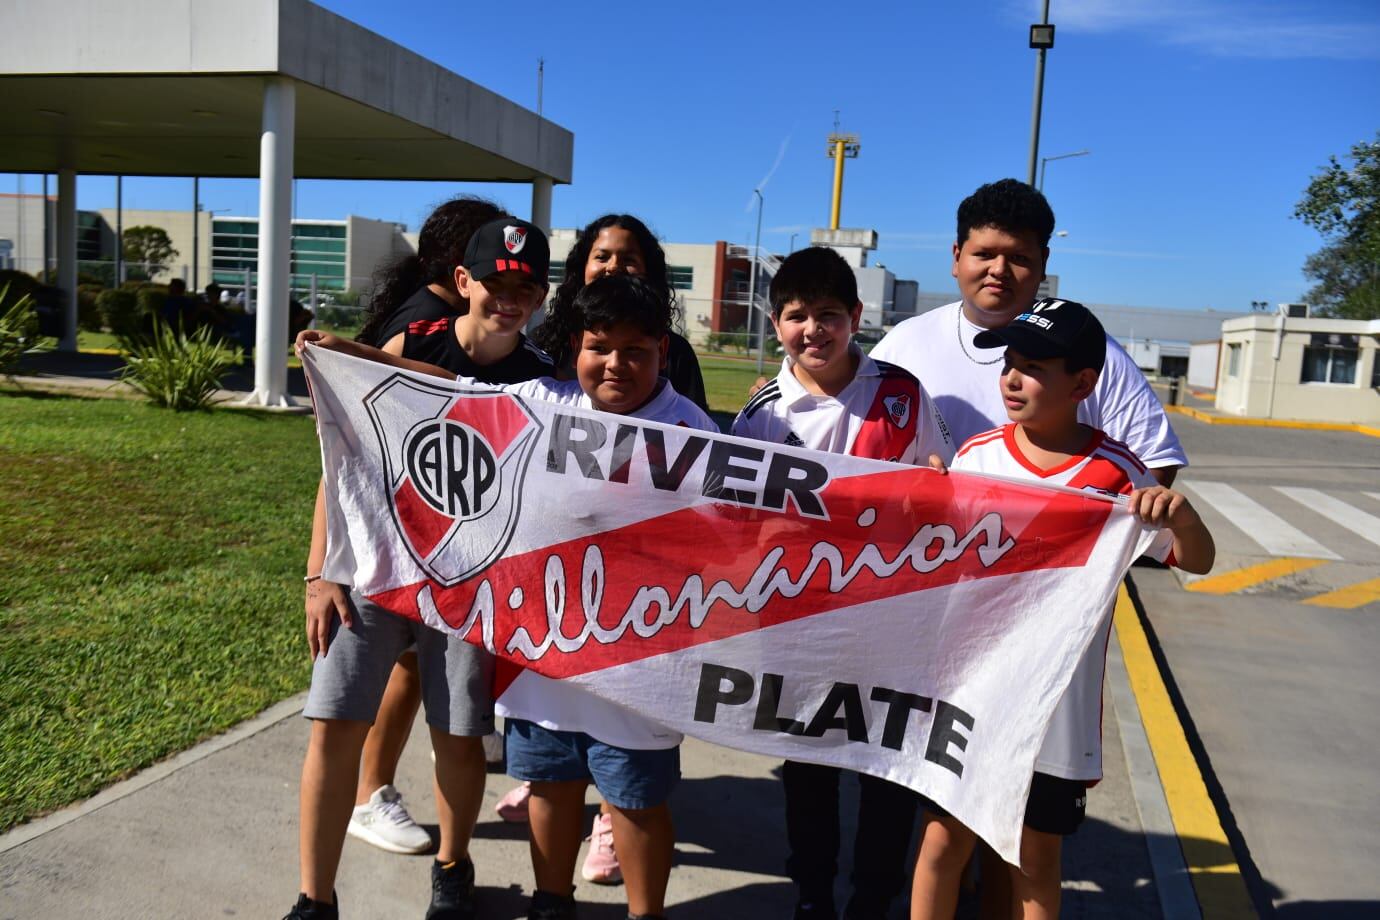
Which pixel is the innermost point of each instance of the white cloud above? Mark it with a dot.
(1224, 28)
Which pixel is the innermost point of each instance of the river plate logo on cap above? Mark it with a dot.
(514, 238)
(454, 476)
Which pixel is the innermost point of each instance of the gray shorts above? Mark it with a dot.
(348, 681)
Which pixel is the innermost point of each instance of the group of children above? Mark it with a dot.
(828, 396)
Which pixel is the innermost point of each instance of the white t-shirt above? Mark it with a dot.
(968, 393)
(551, 703)
(1073, 747)
(883, 413)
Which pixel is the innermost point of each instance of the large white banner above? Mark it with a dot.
(815, 606)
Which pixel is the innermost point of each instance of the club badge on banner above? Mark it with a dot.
(814, 606)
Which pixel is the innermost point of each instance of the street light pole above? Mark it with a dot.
(1042, 39)
(1062, 156)
(752, 289)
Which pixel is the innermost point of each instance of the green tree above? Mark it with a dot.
(148, 250)
(1343, 205)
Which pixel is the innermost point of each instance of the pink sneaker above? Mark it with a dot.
(513, 806)
(601, 862)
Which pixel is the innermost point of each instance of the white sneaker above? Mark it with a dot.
(384, 822)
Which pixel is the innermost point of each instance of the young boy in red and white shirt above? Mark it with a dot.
(1054, 354)
(830, 396)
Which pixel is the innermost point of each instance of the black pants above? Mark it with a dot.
(886, 820)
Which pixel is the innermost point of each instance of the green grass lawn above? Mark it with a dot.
(150, 585)
(727, 380)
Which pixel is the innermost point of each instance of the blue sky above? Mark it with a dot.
(1205, 120)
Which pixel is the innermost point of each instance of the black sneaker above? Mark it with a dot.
(307, 909)
(548, 906)
(452, 891)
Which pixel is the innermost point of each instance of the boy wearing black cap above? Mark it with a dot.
(1054, 353)
(503, 278)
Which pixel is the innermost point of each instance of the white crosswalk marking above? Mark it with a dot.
(1374, 495)
(1261, 525)
(1354, 519)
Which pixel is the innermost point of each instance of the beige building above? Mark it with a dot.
(1300, 367)
(184, 236)
(696, 271)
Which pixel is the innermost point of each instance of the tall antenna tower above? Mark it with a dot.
(841, 147)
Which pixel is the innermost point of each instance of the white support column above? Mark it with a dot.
(67, 255)
(541, 203)
(275, 240)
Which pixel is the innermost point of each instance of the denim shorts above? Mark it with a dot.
(627, 779)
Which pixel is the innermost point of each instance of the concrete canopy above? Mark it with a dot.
(273, 89)
(167, 88)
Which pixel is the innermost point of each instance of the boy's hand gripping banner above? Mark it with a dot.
(813, 606)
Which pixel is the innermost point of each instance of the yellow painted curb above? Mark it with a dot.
(1201, 416)
(1349, 597)
(1207, 853)
(1237, 579)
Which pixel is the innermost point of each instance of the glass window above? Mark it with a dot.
(1233, 360)
(682, 276)
(1329, 364)
(1375, 368)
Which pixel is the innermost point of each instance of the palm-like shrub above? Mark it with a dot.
(175, 370)
(18, 327)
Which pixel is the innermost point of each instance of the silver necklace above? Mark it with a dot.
(963, 345)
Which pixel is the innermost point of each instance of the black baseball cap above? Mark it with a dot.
(505, 245)
(1052, 328)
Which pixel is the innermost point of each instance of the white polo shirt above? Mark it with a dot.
(883, 413)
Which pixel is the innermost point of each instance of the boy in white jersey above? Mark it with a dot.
(1054, 353)
(560, 739)
(830, 396)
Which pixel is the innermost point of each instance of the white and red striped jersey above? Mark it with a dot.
(883, 413)
(1073, 746)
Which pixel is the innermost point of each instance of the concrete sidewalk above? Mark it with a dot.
(213, 831)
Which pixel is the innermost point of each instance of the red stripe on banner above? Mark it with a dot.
(496, 415)
(875, 518)
(425, 525)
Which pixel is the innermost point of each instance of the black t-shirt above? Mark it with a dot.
(683, 370)
(434, 342)
(421, 306)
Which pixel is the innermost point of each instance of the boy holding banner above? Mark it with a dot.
(1054, 354)
(830, 396)
(561, 739)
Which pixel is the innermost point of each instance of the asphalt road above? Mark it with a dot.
(1284, 694)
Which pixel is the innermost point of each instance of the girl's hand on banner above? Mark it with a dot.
(325, 601)
(318, 338)
(936, 463)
